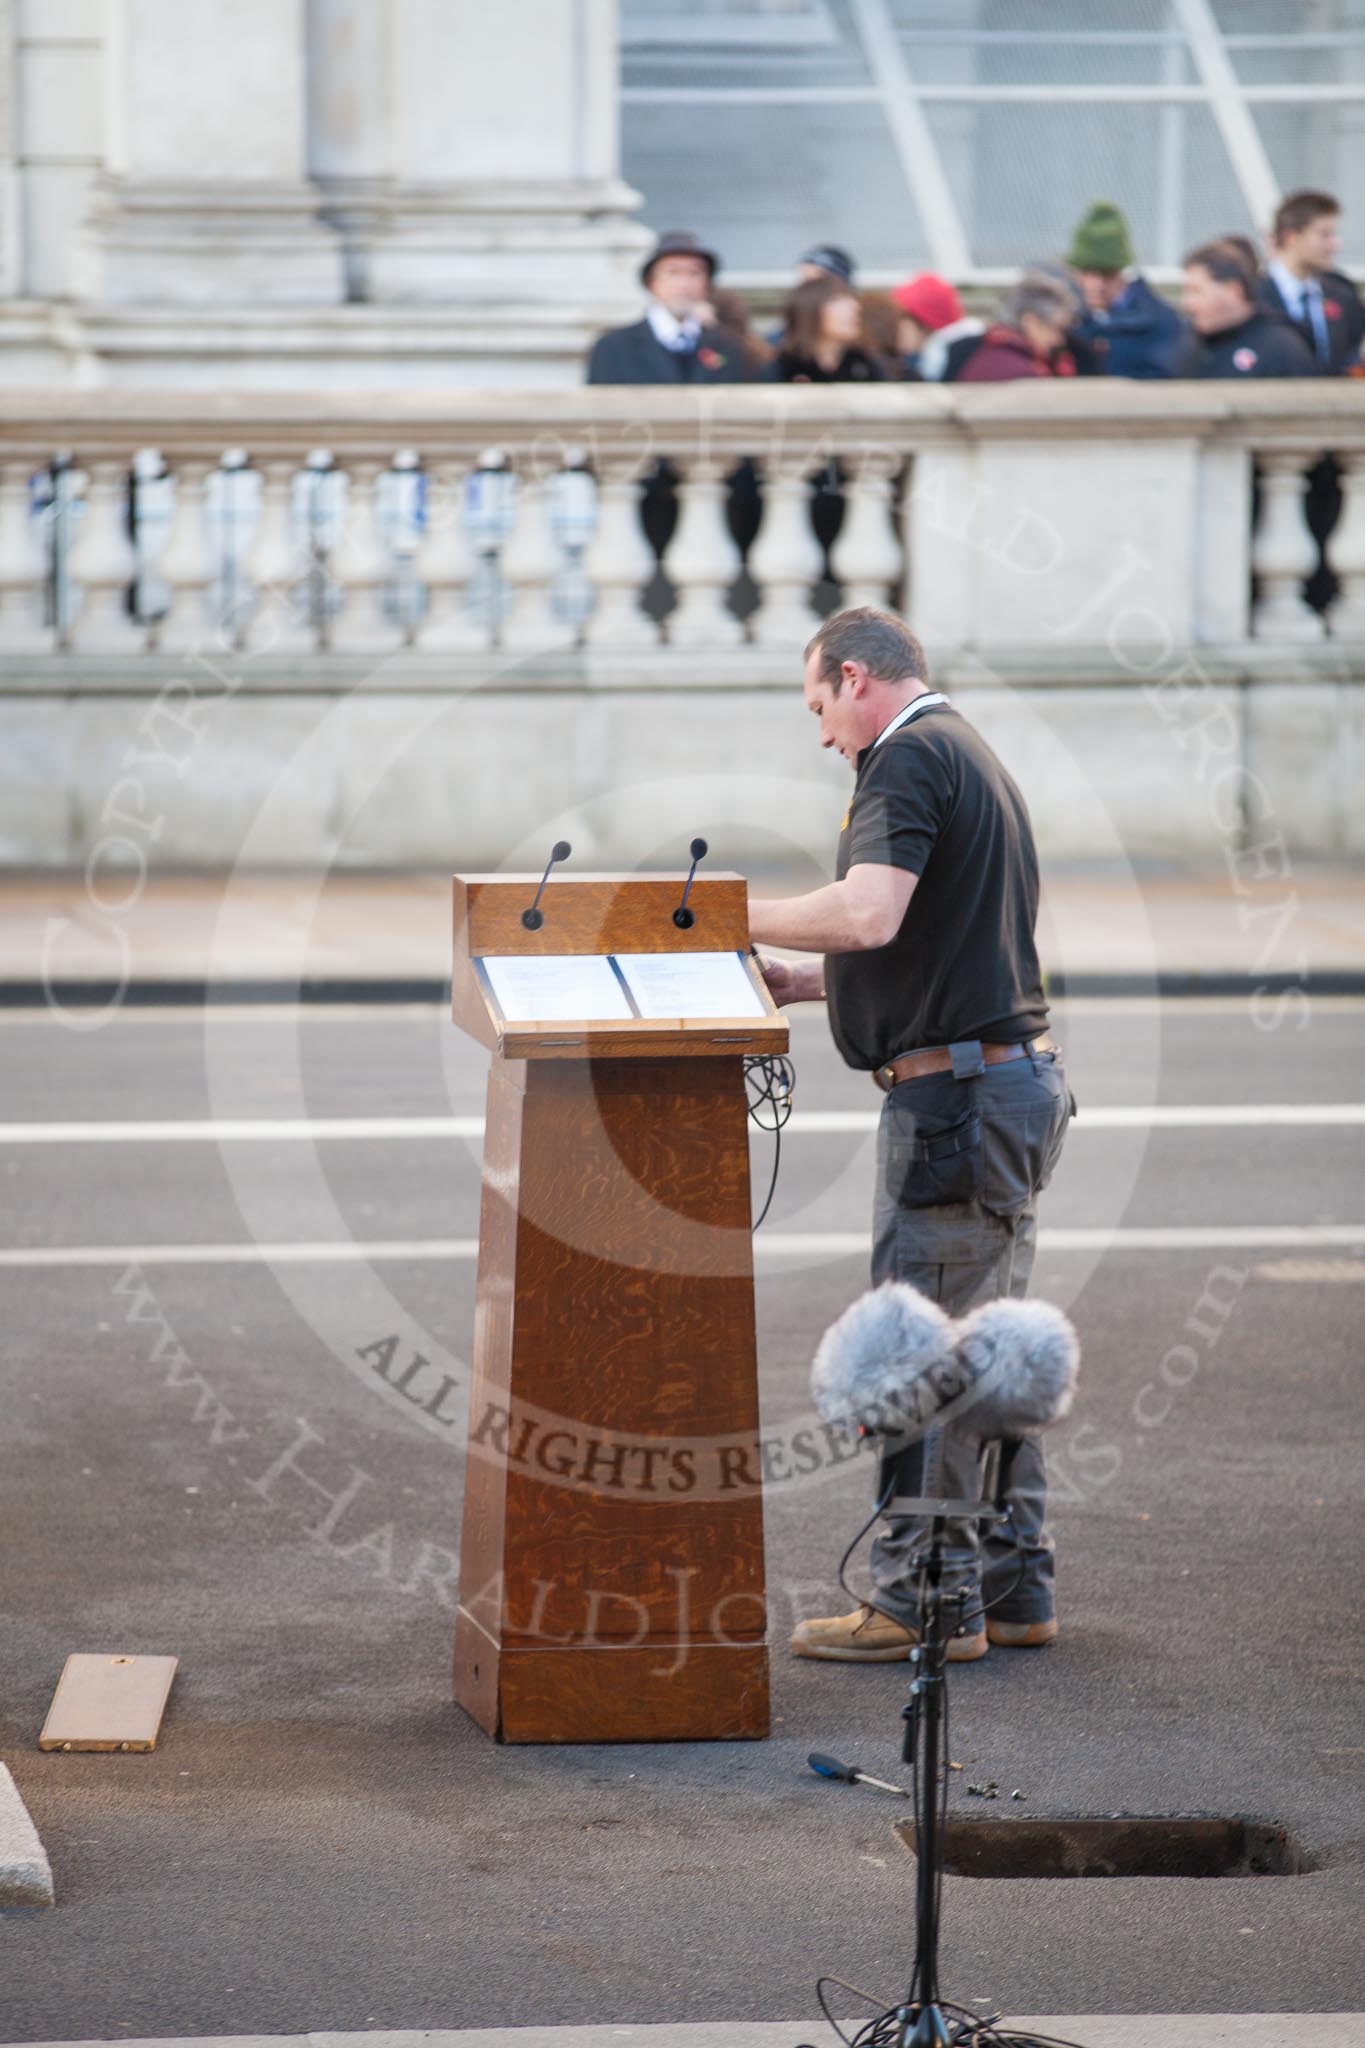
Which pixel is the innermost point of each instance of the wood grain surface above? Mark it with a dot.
(613, 1505)
(601, 914)
(660, 1692)
(606, 914)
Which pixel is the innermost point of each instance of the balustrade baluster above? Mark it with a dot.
(187, 564)
(785, 559)
(22, 568)
(702, 560)
(102, 564)
(361, 567)
(445, 563)
(274, 565)
(620, 560)
(530, 562)
(867, 556)
(1346, 553)
(1283, 553)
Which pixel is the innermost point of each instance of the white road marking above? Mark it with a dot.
(808, 1123)
(775, 1244)
(241, 1130)
(1317, 1272)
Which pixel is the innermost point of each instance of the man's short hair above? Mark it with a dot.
(1225, 263)
(1300, 210)
(883, 644)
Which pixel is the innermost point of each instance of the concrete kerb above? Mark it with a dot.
(1108, 2030)
(25, 1873)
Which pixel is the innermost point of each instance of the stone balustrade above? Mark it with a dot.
(995, 517)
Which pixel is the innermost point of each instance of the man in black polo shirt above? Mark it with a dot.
(934, 989)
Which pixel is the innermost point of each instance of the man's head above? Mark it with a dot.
(1219, 288)
(1101, 252)
(861, 667)
(1304, 233)
(678, 272)
(1040, 309)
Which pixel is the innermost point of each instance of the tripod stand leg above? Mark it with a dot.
(924, 1752)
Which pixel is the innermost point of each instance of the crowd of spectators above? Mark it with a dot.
(1291, 314)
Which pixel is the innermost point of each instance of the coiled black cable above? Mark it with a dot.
(770, 1081)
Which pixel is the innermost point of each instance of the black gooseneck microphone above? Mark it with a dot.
(683, 918)
(534, 918)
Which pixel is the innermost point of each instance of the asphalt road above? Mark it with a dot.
(323, 1841)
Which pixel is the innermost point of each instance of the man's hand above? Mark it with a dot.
(792, 981)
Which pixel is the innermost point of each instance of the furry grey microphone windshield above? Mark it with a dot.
(894, 1364)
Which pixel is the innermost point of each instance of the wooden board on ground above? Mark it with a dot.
(108, 1703)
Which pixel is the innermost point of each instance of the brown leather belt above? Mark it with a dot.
(936, 1059)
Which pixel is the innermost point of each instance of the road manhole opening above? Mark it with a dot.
(1119, 1845)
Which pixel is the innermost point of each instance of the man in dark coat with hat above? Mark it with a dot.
(677, 343)
(674, 343)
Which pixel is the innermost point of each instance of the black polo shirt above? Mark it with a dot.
(933, 799)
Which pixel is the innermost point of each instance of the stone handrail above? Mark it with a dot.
(991, 514)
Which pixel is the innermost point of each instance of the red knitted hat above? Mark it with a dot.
(930, 300)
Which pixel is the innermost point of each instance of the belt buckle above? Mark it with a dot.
(885, 1077)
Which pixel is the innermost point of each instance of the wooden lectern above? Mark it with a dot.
(611, 1575)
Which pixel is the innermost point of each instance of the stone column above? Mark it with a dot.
(505, 146)
(350, 125)
(206, 202)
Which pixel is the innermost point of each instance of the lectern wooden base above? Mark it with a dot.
(611, 1577)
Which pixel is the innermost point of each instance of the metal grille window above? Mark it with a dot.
(969, 135)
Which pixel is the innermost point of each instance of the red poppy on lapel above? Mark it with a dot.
(710, 359)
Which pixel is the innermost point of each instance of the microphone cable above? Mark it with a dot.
(769, 1082)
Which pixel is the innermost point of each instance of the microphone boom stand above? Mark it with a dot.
(922, 2023)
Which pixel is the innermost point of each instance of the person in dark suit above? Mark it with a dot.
(679, 341)
(1233, 337)
(1301, 286)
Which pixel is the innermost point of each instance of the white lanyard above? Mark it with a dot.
(911, 711)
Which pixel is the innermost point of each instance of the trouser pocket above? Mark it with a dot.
(933, 1152)
(1021, 1144)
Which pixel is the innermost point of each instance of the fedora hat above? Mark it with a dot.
(679, 243)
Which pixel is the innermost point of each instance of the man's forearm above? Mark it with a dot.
(825, 921)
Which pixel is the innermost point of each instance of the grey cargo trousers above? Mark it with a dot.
(961, 1158)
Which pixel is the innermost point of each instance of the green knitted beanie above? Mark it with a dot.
(1101, 240)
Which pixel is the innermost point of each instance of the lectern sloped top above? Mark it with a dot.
(506, 968)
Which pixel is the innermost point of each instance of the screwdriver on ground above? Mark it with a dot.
(849, 1774)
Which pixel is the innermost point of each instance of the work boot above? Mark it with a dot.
(1022, 1635)
(867, 1637)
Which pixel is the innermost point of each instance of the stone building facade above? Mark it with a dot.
(295, 193)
